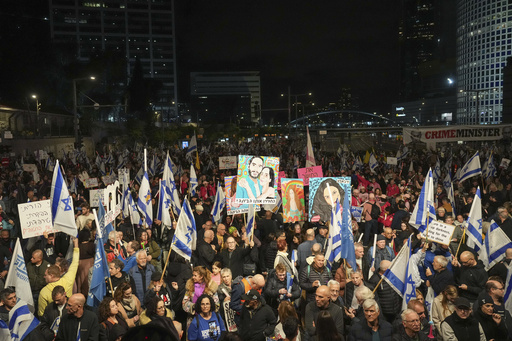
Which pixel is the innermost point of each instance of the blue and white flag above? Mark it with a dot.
(507, 299)
(424, 211)
(448, 186)
(193, 181)
(140, 175)
(471, 168)
(100, 273)
(219, 204)
(348, 251)
(185, 237)
(333, 251)
(103, 230)
(144, 200)
(489, 168)
(164, 204)
(192, 147)
(63, 214)
(448, 164)
(357, 163)
(21, 321)
(398, 275)
(474, 223)
(170, 185)
(293, 261)
(495, 244)
(436, 173)
(125, 204)
(17, 276)
(373, 163)
(249, 228)
(133, 210)
(152, 166)
(403, 154)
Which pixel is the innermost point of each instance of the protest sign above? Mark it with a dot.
(108, 179)
(504, 163)
(309, 172)
(91, 182)
(256, 179)
(357, 213)
(323, 194)
(35, 218)
(392, 160)
(440, 232)
(281, 174)
(95, 195)
(292, 191)
(227, 162)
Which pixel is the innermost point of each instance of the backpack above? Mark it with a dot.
(375, 212)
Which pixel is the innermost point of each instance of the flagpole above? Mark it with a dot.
(166, 262)
(98, 226)
(460, 242)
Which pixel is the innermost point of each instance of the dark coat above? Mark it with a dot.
(235, 262)
(309, 275)
(273, 286)
(256, 325)
(440, 280)
(360, 331)
(89, 327)
(474, 277)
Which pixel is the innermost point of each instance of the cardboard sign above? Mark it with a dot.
(440, 232)
(357, 213)
(392, 160)
(35, 218)
(504, 163)
(310, 172)
(292, 191)
(108, 179)
(256, 179)
(227, 162)
(95, 195)
(91, 182)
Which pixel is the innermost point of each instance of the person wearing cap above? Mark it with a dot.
(382, 252)
(322, 303)
(461, 325)
(159, 288)
(257, 320)
(493, 325)
(239, 287)
(470, 275)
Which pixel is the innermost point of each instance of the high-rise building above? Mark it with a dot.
(137, 29)
(427, 48)
(484, 41)
(224, 96)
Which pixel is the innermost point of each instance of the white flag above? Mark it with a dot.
(193, 181)
(17, 276)
(185, 237)
(219, 204)
(144, 200)
(495, 244)
(310, 157)
(63, 215)
(507, 299)
(471, 168)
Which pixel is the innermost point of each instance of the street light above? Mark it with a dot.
(38, 107)
(75, 109)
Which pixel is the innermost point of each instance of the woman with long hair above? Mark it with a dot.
(200, 283)
(443, 305)
(294, 207)
(328, 192)
(111, 319)
(266, 179)
(283, 257)
(128, 304)
(207, 324)
(284, 311)
(326, 328)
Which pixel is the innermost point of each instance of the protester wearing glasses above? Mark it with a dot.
(470, 275)
(410, 327)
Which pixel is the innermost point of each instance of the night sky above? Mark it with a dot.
(313, 46)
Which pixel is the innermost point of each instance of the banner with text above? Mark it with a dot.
(440, 232)
(227, 162)
(310, 172)
(457, 133)
(256, 179)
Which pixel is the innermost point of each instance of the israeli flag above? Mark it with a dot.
(448, 186)
(103, 230)
(152, 166)
(249, 228)
(133, 210)
(164, 203)
(170, 185)
(495, 244)
(348, 251)
(140, 175)
(471, 168)
(193, 181)
(185, 237)
(333, 252)
(507, 299)
(398, 275)
(17, 276)
(424, 211)
(144, 200)
(373, 163)
(436, 174)
(21, 321)
(474, 223)
(489, 168)
(63, 214)
(219, 204)
(192, 147)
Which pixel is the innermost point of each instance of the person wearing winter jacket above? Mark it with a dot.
(281, 286)
(470, 276)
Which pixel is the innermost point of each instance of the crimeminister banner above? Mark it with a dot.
(457, 133)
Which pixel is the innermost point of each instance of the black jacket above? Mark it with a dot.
(273, 286)
(464, 329)
(205, 254)
(360, 331)
(390, 302)
(309, 275)
(256, 325)
(401, 335)
(498, 332)
(51, 312)
(89, 327)
(474, 277)
(440, 280)
(236, 261)
(311, 315)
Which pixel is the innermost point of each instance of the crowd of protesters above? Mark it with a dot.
(236, 288)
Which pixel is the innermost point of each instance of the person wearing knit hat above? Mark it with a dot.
(493, 325)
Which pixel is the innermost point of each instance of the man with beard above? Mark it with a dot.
(257, 320)
(251, 183)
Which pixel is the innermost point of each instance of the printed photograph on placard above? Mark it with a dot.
(293, 200)
(257, 179)
(323, 194)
